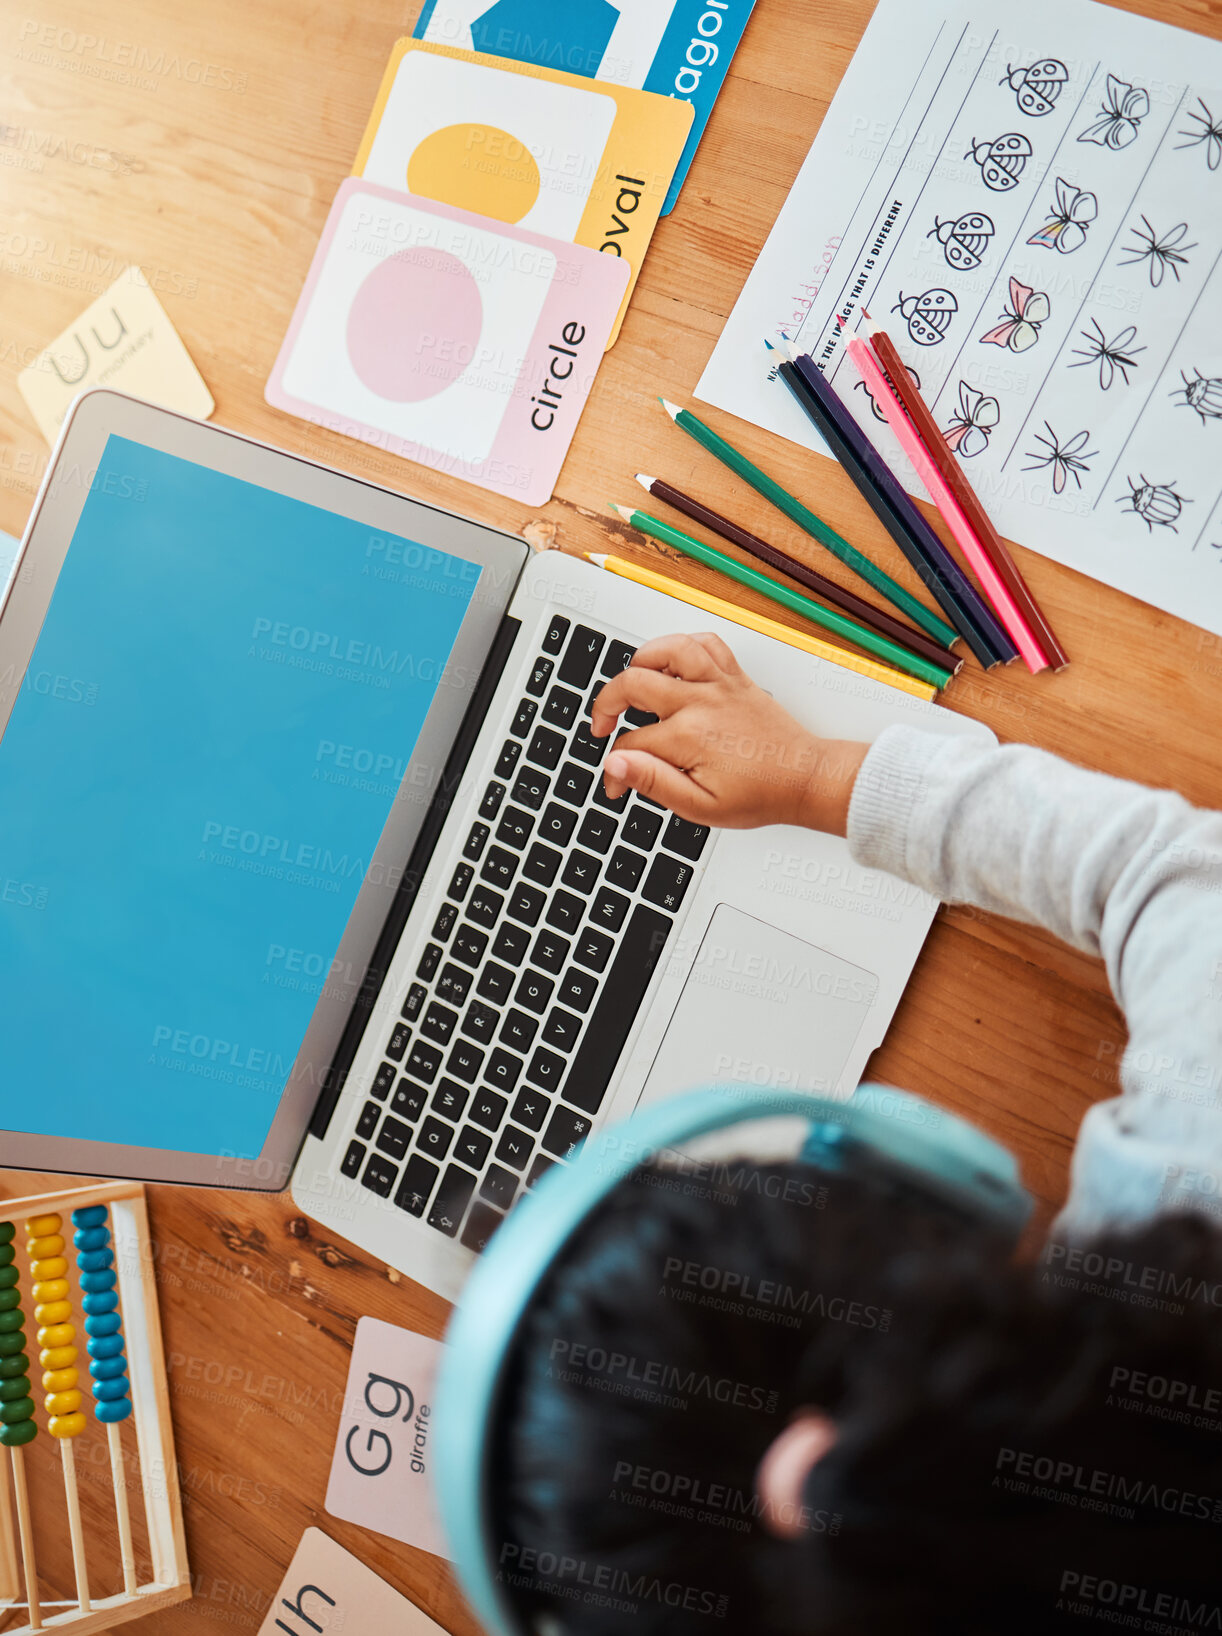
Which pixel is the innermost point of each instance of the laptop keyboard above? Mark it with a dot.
(557, 914)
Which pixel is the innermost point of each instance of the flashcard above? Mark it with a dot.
(462, 344)
(544, 151)
(381, 1471)
(328, 1592)
(678, 48)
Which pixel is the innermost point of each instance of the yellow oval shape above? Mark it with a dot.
(479, 168)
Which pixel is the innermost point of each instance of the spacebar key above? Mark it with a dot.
(623, 989)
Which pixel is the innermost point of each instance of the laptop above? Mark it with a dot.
(310, 877)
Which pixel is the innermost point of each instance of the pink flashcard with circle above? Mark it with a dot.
(450, 339)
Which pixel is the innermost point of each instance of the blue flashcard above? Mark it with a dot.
(678, 48)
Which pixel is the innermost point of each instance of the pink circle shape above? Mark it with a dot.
(414, 325)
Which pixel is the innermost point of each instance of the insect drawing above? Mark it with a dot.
(977, 416)
(1158, 254)
(1208, 132)
(1020, 325)
(1120, 117)
(1067, 460)
(928, 315)
(1037, 87)
(880, 414)
(1202, 394)
(1157, 504)
(1072, 213)
(965, 239)
(1114, 357)
(1002, 161)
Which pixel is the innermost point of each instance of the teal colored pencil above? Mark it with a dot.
(881, 647)
(813, 525)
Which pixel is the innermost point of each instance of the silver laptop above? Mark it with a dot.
(310, 875)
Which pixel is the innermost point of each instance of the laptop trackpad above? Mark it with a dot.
(761, 1007)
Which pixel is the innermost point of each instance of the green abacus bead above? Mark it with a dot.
(8, 1277)
(12, 1437)
(13, 1319)
(7, 1255)
(7, 1232)
(11, 1390)
(9, 1298)
(13, 1366)
(11, 1413)
(11, 1344)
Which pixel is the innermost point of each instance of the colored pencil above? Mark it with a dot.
(881, 647)
(765, 627)
(922, 418)
(938, 571)
(813, 525)
(852, 604)
(949, 509)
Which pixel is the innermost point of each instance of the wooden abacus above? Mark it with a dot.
(114, 1274)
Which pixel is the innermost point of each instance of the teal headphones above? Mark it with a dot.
(950, 1160)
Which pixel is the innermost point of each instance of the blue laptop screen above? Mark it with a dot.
(219, 711)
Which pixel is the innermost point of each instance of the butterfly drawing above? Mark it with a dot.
(1123, 110)
(1002, 161)
(965, 239)
(1039, 86)
(1020, 327)
(973, 424)
(928, 315)
(1072, 214)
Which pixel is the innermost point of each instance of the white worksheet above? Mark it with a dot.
(1029, 199)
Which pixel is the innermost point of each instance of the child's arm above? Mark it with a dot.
(1131, 874)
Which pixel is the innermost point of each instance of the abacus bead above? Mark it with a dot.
(106, 1323)
(11, 1390)
(66, 1425)
(59, 1380)
(106, 1346)
(89, 1215)
(91, 1238)
(7, 1232)
(54, 1335)
(22, 1409)
(108, 1368)
(39, 1249)
(8, 1277)
(57, 1357)
(7, 1255)
(9, 1298)
(13, 1437)
(105, 1302)
(110, 1391)
(11, 1344)
(95, 1282)
(11, 1320)
(63, 1402)
(52, 1312)
(51, 1289)
(95, 1260)
(53, 1266)
(17, 1364)
(111, 1413)
(37, 1226)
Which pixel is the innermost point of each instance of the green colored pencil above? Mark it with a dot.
(882, 647)
(814, 526)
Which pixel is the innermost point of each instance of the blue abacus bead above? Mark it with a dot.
(106, 1323)
(91, 1238)
(105, 1301)
(92, 1215)
(105, 1346)
(110, 1391)
(108, 1368)
(109, 1413)
(94, 1283)
(95, 1260)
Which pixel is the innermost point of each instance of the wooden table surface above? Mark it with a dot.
(206, 143)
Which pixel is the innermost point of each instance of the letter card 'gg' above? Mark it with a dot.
(451, 340)
(550, 152)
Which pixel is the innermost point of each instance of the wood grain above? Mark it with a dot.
(206, 144)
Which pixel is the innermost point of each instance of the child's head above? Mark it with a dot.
(1012, 1448)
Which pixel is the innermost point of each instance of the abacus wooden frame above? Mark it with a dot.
(170, 1583)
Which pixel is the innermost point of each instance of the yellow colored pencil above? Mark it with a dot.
(765, 627)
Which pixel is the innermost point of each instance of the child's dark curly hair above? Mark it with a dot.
(1011, 1454)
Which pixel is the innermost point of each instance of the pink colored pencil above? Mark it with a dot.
(943, 496)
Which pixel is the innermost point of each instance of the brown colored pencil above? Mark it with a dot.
(783, 563)
(919, 414)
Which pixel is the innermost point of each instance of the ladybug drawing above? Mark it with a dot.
(1157, 504)
(965, 239)
(1204, 394)
(928, 315)
(1002, 161)
(1039, 86)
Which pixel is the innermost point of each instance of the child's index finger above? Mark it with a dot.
(636, 689)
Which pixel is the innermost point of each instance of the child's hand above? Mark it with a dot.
(722, 752)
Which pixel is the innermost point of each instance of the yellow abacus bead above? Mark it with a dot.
(50, 1244)
(53, 1312)
(54, 1267)
(66, 1425)
(51, 1289)
(59, 1380)
(37, 1225)
(63, 1403)
(57, 1357)
(56, 1335)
